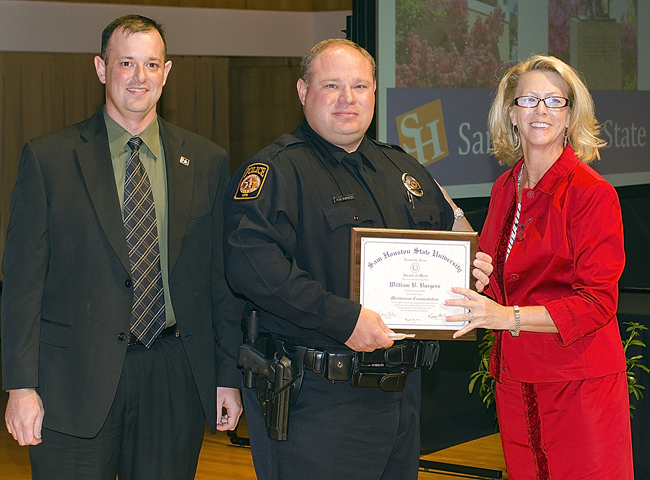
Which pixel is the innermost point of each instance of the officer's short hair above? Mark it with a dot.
(316, 50)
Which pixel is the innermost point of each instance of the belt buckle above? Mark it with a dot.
(173, 330)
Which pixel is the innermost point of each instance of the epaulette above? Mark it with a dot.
(386, 145)
(283, 142)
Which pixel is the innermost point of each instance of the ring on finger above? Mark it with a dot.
(470, 315)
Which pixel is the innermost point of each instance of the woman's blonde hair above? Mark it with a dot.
(583, 127)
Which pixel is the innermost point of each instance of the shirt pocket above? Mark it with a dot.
(425, 216)
(340, 219)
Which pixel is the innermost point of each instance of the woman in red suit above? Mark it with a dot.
(555, 232)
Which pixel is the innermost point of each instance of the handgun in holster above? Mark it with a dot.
(275, 376)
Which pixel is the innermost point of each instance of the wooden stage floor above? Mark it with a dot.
(222, 460)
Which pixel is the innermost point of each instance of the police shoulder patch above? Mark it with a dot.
(252, 181)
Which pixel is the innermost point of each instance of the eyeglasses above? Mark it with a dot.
(532, 102)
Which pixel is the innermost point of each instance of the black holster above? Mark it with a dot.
(273, 376)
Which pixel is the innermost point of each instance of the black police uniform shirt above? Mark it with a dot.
(289, 210)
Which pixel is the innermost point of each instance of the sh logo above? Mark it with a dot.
(422, 133)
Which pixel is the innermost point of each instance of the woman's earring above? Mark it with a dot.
(514, 136)
(566, 136)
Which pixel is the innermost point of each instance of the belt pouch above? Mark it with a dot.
(389, 379)
(338, 363)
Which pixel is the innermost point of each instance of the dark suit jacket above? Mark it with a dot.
(66, 302)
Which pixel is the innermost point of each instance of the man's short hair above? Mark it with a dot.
(130, 24)
(316, 50)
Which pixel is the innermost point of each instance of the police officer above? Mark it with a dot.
(289, 210)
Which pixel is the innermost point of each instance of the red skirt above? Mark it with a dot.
(566, 430)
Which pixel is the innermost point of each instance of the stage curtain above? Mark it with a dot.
(43, 92)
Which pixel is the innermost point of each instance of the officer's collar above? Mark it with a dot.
(335, 154)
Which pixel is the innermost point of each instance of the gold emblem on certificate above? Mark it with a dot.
(406, 275)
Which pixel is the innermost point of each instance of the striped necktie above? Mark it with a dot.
(148, 310)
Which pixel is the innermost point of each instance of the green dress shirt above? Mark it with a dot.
(152, 157)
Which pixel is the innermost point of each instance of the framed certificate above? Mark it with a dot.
(406, 275)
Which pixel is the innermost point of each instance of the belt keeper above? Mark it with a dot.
(400, 354)
(314, 360)
(427, 354)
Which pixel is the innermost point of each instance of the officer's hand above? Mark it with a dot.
(24, 416)
(370, 333)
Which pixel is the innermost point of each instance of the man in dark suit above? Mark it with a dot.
(119, 331)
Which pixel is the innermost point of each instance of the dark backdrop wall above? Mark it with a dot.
(282, 5)
(242, 104)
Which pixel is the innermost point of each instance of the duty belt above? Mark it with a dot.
(386, 368)
(275, 367)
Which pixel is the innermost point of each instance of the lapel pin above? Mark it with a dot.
(185, 161)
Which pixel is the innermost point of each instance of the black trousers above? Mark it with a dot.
(154, 428)
(337, 431)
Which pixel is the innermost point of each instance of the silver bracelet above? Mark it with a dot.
(458, 213)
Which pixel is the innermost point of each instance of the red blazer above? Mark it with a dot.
(569, 258)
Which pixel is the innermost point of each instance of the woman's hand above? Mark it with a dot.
(483, 270)
(483, 312)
